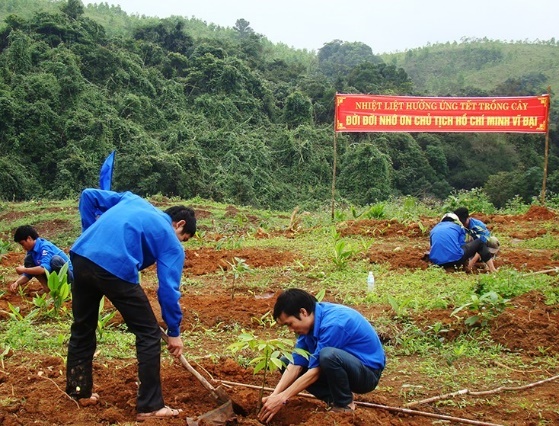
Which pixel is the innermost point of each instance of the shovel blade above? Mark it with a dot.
(221, 416)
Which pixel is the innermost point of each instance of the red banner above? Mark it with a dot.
(367, 113)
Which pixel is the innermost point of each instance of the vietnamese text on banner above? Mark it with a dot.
(368, 113)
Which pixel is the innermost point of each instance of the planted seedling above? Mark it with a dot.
(271, 355)
(238, 269)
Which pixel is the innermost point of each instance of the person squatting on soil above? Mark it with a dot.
(42, 255)
(476, 229)
(346, 354)
(122, 234)
(448, 246)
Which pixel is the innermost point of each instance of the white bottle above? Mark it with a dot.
(370, 282)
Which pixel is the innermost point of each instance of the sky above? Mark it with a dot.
(386, 26)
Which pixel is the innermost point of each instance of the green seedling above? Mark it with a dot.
(270, 355)
(400, 308)
(376, 211)
(104, 318)
(15, 313)
(342, 253)
(485, 307)
(59, 289)
(4, 248)
(238, 269)
(5, 352)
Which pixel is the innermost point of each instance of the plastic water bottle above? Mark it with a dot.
(370, 282)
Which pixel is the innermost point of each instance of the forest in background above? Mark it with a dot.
(194, 109)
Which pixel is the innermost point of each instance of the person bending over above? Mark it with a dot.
(121, 235)
(42, 256)
(476, 229)
(346, 354)
(448, 246)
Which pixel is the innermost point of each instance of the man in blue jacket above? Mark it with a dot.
(476, 229)
(42, 256)
(122, 234)
(346, 354)
(449, 247)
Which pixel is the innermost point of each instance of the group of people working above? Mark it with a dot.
(123, 234)
(459, 240)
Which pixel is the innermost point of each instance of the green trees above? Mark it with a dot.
(337, 58)
(297, 110)
(199, 110)
(365, 174)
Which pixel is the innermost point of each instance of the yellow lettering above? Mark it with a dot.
(443, 121)
(520, 106)
(462, 121)
(369, 120)
(493, 106)
(388, 120)
(405, 120)
(477, 121)
(372, 105)
(446, 106)
(353, 120)
(468, 105)
(498, 121)
(422, 121)
(394, 105)
(529, 121)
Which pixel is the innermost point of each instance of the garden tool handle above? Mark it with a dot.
(189, 367)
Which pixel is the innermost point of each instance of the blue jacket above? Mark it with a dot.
(447, 239)
(340, 327)
(42, 254)
(477, 229)
(123, 233)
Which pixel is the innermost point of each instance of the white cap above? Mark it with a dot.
(452, 216)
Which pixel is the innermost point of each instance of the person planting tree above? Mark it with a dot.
(346, 355)
(476, 229)
(42, 256)
(121, 235)
(448, 246)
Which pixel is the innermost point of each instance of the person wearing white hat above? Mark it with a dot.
(476, 229)
(448, 246)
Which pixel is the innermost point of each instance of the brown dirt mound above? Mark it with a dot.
(529, 326)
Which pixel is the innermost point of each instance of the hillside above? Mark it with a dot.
(193, 109)
(485, 65)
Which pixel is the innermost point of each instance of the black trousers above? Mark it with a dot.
(56, 263)
(91, 283)
(471, 248)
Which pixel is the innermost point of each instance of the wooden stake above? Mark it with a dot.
(479, 393)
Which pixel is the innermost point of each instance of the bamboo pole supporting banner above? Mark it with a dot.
(334, 161)
(546, 149)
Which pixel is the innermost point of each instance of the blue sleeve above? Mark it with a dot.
(169, 273)
(479, 230)
(298, 359)
(334, 336)
(94, 202)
